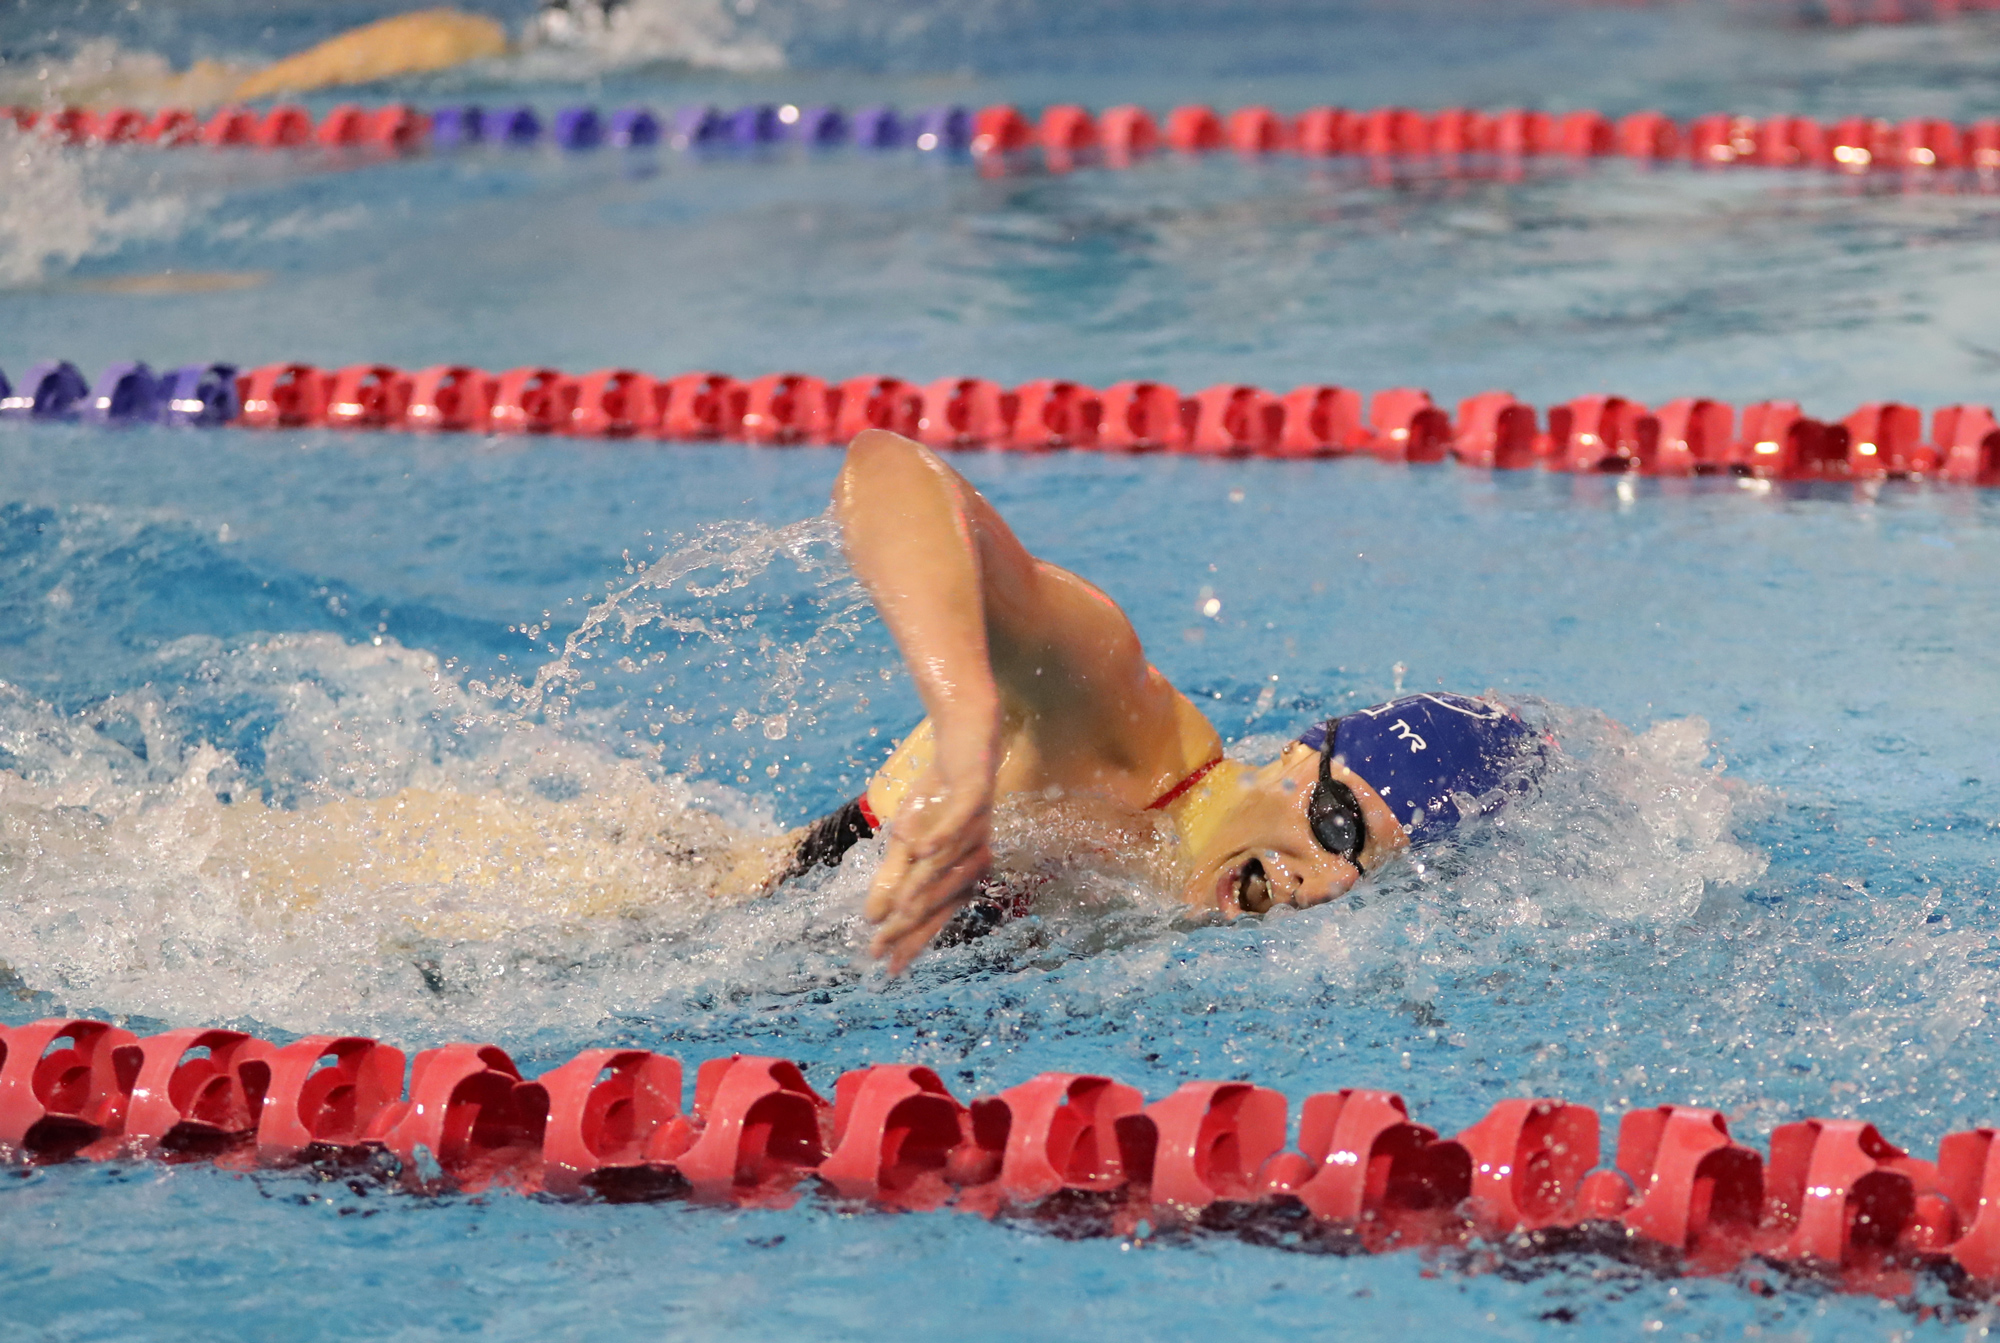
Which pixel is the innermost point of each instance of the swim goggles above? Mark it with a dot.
(1333, 812)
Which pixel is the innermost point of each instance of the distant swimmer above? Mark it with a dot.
(416, 43)
(1038, 692)
(404, 44)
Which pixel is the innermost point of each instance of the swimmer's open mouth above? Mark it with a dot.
(1253, 888)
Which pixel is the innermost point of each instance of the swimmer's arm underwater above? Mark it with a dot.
(1031, 677)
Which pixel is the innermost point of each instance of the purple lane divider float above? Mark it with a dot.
(52, 390)
(125, 393)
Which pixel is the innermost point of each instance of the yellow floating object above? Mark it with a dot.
(428, 39)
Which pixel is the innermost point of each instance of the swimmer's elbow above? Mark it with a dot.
(877, 461)
(875, 449)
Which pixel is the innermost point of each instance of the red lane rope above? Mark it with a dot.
(1600, 433)
(1687, 436)
(282, 127)
(1069, 133)
(1122, 134)
(1833, 1197)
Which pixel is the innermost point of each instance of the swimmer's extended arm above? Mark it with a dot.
(999, 644)
(429, 39)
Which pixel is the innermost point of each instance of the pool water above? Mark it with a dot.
(1764, 879)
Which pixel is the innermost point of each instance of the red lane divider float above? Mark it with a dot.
(1069, 134)
(1833, 1199)
(1688, 436)
(285, 126)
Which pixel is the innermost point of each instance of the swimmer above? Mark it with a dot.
(1039, 696)
(402, 44)
(419, 42)
(415, 43)
(1048, 736)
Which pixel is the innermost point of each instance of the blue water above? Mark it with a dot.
(1765, 883)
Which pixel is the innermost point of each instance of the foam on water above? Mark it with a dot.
(55, 210)
(708, 34)
(361, 807)
(101, 71)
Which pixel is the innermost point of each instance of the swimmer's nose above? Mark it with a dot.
(1263, 886)
(1340, 878)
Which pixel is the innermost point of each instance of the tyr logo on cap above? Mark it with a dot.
(1404, 732)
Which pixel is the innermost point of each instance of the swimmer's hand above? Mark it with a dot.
(940, 846)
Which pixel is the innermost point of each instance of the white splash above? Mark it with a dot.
(1626, 830)
(53, 213)
(99, 72)
(706, 34)
(399, 847)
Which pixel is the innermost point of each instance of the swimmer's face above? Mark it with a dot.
(1260, 849)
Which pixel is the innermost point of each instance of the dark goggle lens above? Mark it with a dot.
(1335, 813)
(1336, 820)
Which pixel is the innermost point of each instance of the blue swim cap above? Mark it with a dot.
(1421, 750)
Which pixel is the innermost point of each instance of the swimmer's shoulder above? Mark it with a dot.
(1136, 769)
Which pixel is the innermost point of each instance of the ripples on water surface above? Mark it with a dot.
(1764, 883)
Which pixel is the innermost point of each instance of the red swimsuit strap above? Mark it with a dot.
(1166, 799)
